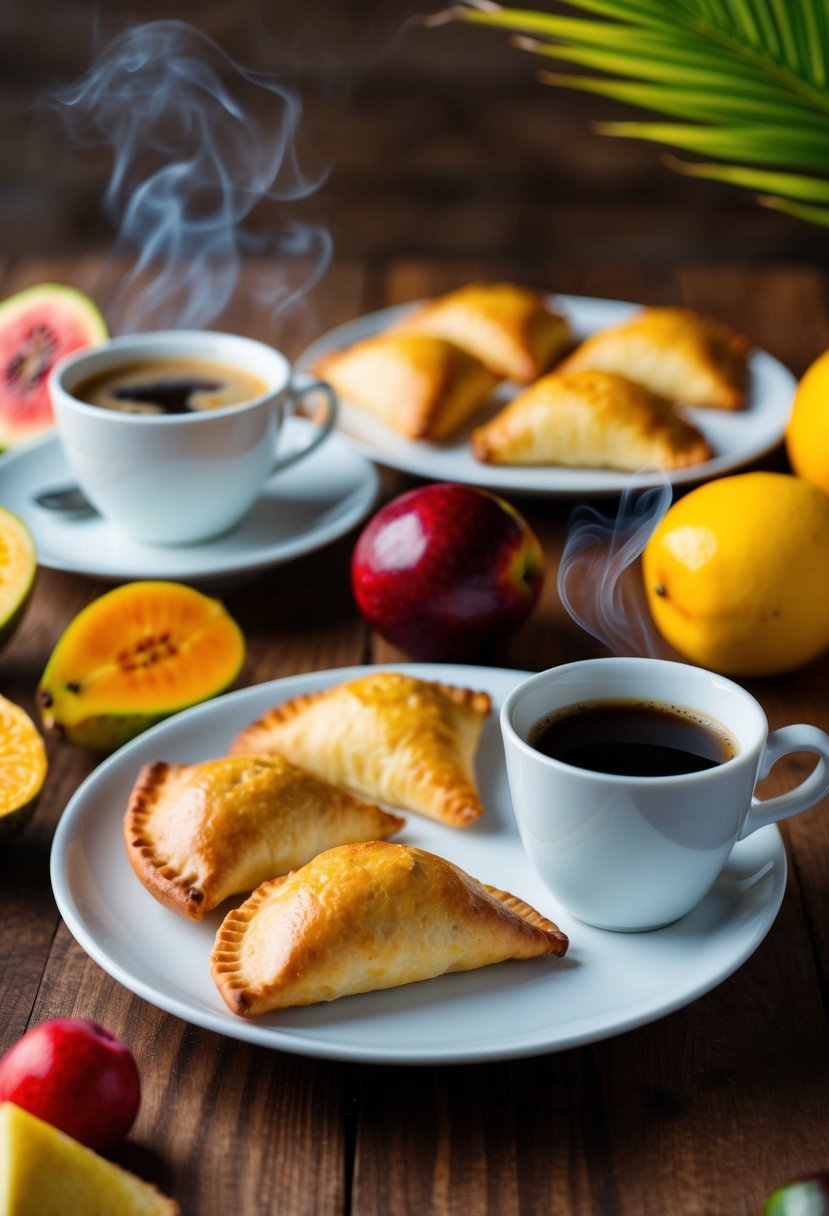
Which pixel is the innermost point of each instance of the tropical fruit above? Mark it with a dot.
(23, 768)
(44, 1172)
(18, 567)
(134, 656)
(737, 574)
(807, 431)
(38, 326)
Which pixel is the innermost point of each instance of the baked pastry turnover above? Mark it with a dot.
(387, 736)
(509, 328)
(364, 917)
(198, 833)
(589, 420)
(675, 352)
(421, 386)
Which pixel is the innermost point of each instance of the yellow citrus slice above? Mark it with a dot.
(46, 1171)
(23, 767)
(18, 566)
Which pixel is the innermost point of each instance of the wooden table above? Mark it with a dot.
(701, 1113)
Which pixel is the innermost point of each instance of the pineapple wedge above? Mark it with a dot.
(46, 1173)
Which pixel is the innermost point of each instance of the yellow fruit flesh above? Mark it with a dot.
(737, 574)
(142, 651)
(46, 1173)
(22, 766)
(18, 566)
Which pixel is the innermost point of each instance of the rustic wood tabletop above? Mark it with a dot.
(700, 1113)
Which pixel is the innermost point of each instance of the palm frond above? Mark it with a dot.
(745, 81)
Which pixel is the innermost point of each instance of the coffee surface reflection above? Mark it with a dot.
(171, 386)
(632, 738)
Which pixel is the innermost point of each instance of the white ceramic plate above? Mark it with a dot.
(737, 437)
(300, 509)
(607, 983)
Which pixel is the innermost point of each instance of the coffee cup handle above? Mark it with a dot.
(301, 386)
(800, 738)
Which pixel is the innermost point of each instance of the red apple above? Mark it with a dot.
(446, 570)
(77, 1076)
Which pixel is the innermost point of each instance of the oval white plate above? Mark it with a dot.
(737, 437)
(607, 983)
(301, 509)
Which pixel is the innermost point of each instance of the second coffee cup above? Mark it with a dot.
(632, 779)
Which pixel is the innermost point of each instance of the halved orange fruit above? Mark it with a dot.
(23, 768)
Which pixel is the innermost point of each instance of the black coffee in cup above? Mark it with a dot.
(171, 386)
(632, 738)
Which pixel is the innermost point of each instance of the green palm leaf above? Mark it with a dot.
(745, 81)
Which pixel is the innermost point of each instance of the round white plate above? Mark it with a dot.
(301, 509)
(737, 437)
(607, 982)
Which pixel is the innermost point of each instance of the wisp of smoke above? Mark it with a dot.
(594, 575)
(194, 151)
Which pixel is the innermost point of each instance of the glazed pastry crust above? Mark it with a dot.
(197, 834)
(509, 328)
(386, 736)
(675, 352)
(422, 387)
(590, 420)
(365, 917)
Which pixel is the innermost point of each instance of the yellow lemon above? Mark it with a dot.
(22, 768)
(737, 574)
(807, 431)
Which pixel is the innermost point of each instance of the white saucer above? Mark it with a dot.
(301, 509)
(606, 984)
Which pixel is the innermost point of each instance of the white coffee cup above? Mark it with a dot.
(633, 853)
(174, 479)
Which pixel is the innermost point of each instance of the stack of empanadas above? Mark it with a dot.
(427, 376)
(435, 371)
(332, 909)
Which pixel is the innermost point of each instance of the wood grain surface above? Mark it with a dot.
(701, 1113)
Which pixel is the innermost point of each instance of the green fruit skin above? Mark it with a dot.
(107, 732)
(104, 733)
(804, 1197)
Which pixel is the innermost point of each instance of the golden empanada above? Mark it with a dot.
(198, 833)
(363, 917)
(509, 328)
(387, 736)
(589, 420)
(675, 352)
(420, 386)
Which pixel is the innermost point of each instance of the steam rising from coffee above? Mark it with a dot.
(596, 580)
(198, 141)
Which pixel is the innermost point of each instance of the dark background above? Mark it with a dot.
(438, 142)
